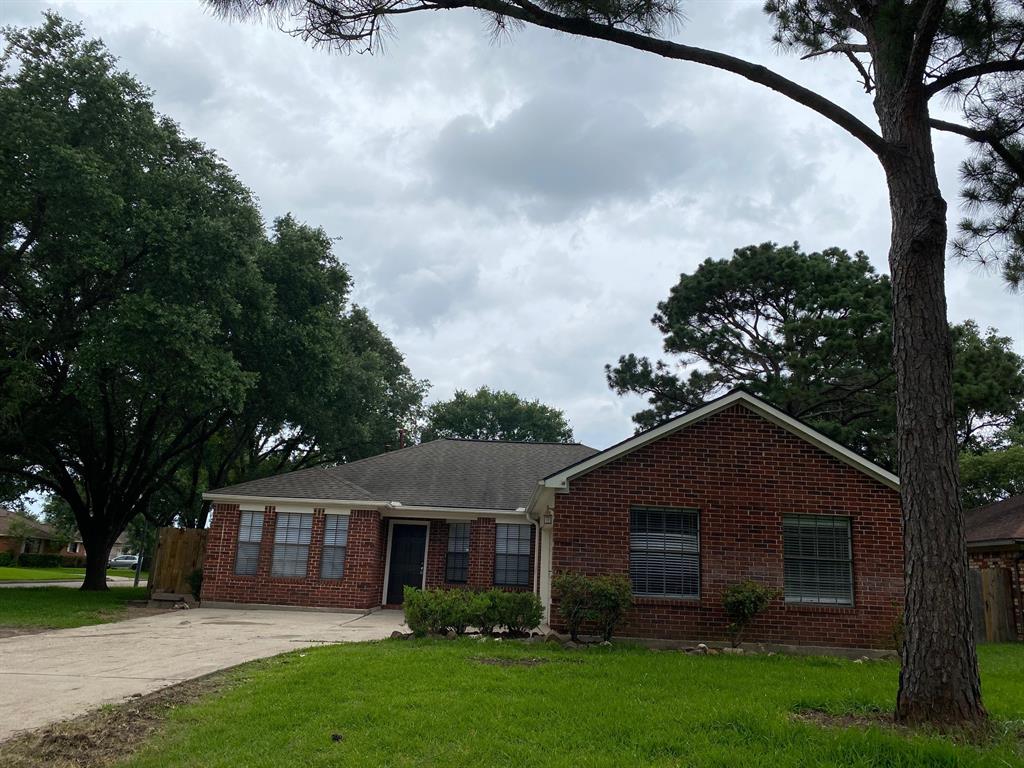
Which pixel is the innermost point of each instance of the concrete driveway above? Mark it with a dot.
(64, 673)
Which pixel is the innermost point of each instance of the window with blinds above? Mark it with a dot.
(818, 559)
(512, 555)
(291, 544)
(664, 551)
(250, 532)
(457, 563)
(332, 562)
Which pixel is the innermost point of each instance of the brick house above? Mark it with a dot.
(995, 543)
(23, 535)
(735, 489)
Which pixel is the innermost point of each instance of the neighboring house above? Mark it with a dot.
(23, 535)
(20, 534)
(995, 543)
(733, 490)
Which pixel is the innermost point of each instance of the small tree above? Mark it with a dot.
(743, 601)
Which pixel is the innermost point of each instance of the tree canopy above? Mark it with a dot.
(150, 326)
(812, 334)
(495, 415)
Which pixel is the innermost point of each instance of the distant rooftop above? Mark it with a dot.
(998, 521)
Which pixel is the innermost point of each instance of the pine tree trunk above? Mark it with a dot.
(97, 555)
(939, 681)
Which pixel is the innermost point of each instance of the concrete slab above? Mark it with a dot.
(65, 673)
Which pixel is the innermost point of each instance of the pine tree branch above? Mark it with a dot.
(1013, 160)
(975, 70)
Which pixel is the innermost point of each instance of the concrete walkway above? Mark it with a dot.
(113, 581)
(61, 674)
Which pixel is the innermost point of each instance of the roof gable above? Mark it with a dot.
(561, 478)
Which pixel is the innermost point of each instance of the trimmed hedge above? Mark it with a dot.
(743, 601)
(38, 560)
(72, 561)
(439, 611)
(6, 559)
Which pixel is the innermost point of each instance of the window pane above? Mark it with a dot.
(457, 563)
(291, 544)
(664, 551)
(818, 565)
(512, 554)
(332, 561)
(250, 531)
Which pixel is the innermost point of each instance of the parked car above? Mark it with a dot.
(124, 561)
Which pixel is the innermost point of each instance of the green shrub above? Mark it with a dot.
(575, 600)
(38, 560)
(742, 602)
(72, 561)
(611, 597)
(487, 610)
(6, 559)
(195, 582)
(416, 605)
(520, 611)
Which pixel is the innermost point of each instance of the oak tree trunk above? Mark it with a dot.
(97, 555)
(939, 681)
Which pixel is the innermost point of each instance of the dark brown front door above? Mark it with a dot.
(406, 569)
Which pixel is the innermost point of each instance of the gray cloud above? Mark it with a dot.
(558, 154)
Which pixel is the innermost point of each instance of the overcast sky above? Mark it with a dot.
(512, 212)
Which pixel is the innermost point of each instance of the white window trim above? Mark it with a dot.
(387, 558)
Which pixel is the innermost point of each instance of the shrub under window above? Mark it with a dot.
(332, 563)
(250, 532)
(291, 544)
(818, 559)
(457, 563)
(512, 554)
(664, 551)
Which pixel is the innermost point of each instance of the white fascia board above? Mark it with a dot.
(281, 502)
(561, 480)
(450, 513)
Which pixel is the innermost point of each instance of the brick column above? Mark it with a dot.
(437, 553)
(266, 546)
(219, 559)
(364, 558)
(316, 546)
(481, 553)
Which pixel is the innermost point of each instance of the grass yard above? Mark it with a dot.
(15, 573)
(61, 607)
(469, 703)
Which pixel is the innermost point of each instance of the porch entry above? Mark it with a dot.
(406, 558)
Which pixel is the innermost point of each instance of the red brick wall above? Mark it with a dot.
(360, 587)
(743, 473)
(1014, 561)
(363, 582)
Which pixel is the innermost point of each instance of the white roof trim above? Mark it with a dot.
(561, 479)
(393, 508)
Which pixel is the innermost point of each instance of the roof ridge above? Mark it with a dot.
(504, 442)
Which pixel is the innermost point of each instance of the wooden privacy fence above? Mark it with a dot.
(179, 552)
(992, 605)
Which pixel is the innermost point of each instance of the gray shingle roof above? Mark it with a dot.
(443, 473)
(998, 521)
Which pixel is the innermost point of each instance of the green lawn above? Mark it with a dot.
(433, 703)
(61, 607)
(14, 573)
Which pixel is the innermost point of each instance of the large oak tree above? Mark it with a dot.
(154, 339)
(906, 53)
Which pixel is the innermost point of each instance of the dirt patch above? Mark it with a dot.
(980, 736)
(496, 662)
(108, 735)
